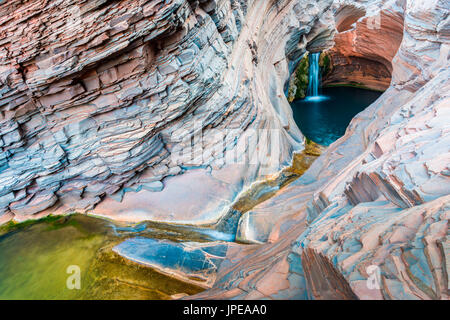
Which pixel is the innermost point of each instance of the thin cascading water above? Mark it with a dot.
(324, 115)
(314, 78)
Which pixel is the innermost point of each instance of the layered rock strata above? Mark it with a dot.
(367, 40)
(374, 208)
(102, 101)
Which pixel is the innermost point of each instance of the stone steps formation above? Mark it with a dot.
(99, 100)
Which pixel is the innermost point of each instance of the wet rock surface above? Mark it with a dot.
(190, 261)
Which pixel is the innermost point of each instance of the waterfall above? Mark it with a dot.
(314, 75)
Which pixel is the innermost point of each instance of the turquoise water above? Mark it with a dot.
(314, 75)
(325, 120)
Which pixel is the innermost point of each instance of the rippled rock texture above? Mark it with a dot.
(367, 39)
(101, 102)
(372, 212)
(189, 261)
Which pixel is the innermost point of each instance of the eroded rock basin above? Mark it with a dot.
(119, 260)
(153, 260)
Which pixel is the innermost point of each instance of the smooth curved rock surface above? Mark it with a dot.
(367, 40)
(189, 261)
(378, 197)
(101, 98)
(101, 102)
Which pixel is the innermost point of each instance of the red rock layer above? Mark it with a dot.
(323, 281)
(365, 48)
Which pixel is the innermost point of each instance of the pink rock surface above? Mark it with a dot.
(95, 94)
(97, 97)
(368, 38)
(379, 196)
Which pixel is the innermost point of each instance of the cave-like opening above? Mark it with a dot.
(324, 112)
(329, 88)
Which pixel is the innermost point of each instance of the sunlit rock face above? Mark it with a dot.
(367, 39)
(101, 101)
(374, 208)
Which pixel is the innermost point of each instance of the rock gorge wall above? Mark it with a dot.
(367, 40)
(101, 101)
(374, 208)
(98, 100)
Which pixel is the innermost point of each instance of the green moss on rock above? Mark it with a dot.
(15, 226)
(299, 82)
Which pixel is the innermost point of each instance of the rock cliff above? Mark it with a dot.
(103, 102)
(374, 208)
(367, 39)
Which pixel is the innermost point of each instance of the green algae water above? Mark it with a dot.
(35, 257)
